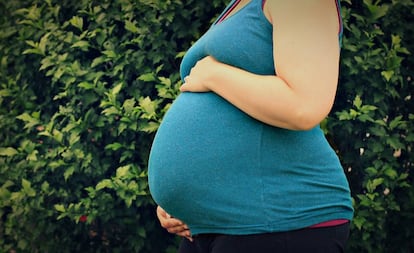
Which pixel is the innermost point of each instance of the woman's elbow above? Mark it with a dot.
(308, 117)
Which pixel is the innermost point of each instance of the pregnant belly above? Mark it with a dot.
(204, 153)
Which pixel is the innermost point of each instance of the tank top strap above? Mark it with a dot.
(341, 25)
(226, 11)
(233, 4)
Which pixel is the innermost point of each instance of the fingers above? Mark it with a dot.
(186, 79)
(161, 213)
(173, 225)
(200, 76)
(186, 235)
(184, 86)
(167, 221)
(176, 229)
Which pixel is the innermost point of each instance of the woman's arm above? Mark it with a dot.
(306, 51)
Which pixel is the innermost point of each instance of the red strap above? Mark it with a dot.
(330, 223)
(338, 9)
(229, 11)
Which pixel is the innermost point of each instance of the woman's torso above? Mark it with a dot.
(221, 171)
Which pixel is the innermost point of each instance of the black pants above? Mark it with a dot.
(309, 240)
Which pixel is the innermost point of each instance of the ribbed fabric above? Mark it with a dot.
(221, 171)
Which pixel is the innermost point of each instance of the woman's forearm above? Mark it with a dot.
(267, 98)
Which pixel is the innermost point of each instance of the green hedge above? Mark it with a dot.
(372, 125)
(84, 85)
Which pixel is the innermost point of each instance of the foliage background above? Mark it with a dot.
(84, 85)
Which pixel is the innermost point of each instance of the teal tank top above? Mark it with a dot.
(221, 171)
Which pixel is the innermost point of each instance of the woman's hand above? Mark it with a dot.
(172, 225)
(198, 79)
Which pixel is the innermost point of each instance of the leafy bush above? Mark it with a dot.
(372, 124)
(84, 85)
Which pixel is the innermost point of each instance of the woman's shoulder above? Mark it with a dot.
(295, 12)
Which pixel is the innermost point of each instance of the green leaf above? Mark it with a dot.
(97, 61)
(36, 47)
(43, 42)
(129, 105)
(395, 123)
(45, 187)
(117, 89)
(46, 63)
(148, 107)
(27, 188)
(359, 222)
(376, 11)
(149, 127)
(388, 74)
(114, 146)
(373, 184)
(110, 53)
(60, 208)
(395, 142)
(32, 156)
(81, 44)
(9, 151)
(77, 22)
(26, 184)
(57, 135)
(4, 196)
(148, 77)
(106, 183)
(122, 171)
(357, 102)
(122, 127)
(368, 108)
(33, 51)
(68, 173)
(391, 173)
(74, 138)
(111, 111)
(141, 232)
(371, 171)
(130, 26)
(29, 120)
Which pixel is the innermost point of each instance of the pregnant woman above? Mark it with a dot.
(239, 163)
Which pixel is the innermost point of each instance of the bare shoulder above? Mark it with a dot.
(297, 12)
